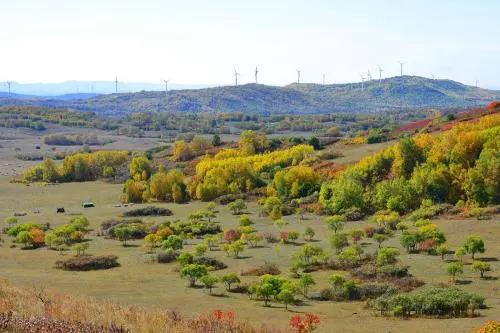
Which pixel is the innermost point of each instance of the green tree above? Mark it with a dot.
(200, 249)
(193, 272)
(306, 281)
(237, 206)
(209, 281)
(216, 141)
(339, 241)
(124, 233)
(230, 279)
(442, 250)
(336, 280)
(380, 238)
(25, 238)
(387, 255)
(80, 248)
(473, 245)
(481, 267)
(453, 269)
(173, 242)
(286, 297)
(309, 234)
(335, 222)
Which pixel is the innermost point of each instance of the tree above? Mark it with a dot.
(230, 279)
(336, 280)
(209, 282)
(244, 221)
(185, 258)
(309, 234)
(442, 250)
(140, 168)
(481, 267)
(339, 241)
(237, 206)
(24, 237)
(151, 242)
(251, 143)
(335, 222)
(181, 151)
(216, 141)
(314, 142)
(473, 245)
(387, 255)
(349, 255)
(80, 248)
(231, 235)
(286, 297)
(266, 291)
(211, 241)
(124, 233)
(305, 281)
(193, 272)
(200, 250)
(460, 252)
(380, 238)
(356, 235)
(173, 242)
(453, 269)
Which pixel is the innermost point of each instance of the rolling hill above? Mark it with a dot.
(404, 92)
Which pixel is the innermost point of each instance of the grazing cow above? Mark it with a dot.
(60, 210)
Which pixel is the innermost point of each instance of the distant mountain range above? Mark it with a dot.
(402, 92)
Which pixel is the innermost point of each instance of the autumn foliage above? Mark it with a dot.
(304, 324)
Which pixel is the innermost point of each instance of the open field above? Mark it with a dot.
(159, 285)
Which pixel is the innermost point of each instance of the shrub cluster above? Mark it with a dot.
(88, 263)
(148, 211)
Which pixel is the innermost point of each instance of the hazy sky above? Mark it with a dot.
(200, 41)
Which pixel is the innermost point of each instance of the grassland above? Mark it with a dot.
(140, 282)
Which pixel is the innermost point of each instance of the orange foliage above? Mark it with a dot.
(491, 326)
(38, 237)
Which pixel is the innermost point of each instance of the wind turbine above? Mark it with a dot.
(324, 78)
(116, 84)
(401, 64)
(369, 75)
(166, 86)
(362, 82)
(236, 77)
(432, 75)
(380, 70)
(8, 83)
(298, 75)
(256, 75)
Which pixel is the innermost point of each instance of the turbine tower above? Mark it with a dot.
(116, 84)
(401, 64)
(298, 75)
(362, 83)
(8, 83)
(166, 86)
(380, 70)
(236, 77)
(256, 75)
(324, 75)
(369, 75)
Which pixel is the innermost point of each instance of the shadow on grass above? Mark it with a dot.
(131, 245)
(492, 278)
(219, 295)
(463, 282)
(487, 259)
(243, 257)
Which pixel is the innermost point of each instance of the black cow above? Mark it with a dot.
(60, 210)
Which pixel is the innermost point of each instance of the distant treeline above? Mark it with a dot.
(74, 139)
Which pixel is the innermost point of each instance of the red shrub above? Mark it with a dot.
(369, 231)
(305, 324)
(231, 235)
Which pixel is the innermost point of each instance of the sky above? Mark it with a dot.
(201, 42)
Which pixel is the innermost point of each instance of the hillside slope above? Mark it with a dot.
(406, 92)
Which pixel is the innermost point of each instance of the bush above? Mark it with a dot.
(148, 211)
(226, 199)
(431, 301)
(209, 262)
(88, 263)
(167, 256)
(267, 268)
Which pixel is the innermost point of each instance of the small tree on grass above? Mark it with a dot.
(481, 267)
(305, 281)
(286, 297)
(453, 269)
(193, 272)
(339, 241)
(200, 249)
(244, 221)
(229, 279)
(460, 252)
(266, 291)
(123, 233)
(309, 234)
(335, 222)
(337, 281)
(357, 235)
(151, 242)
(380, 238)
(211, 241)
(442, 250)
(304, 325)
(237, 207)
(80, 248)
(387, 255)
(209, 281)
(473, 245)
(173, 242)
(25, 238)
